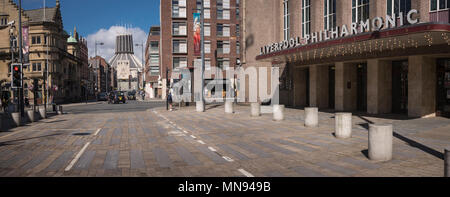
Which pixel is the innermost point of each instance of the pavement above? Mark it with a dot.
(142, 139)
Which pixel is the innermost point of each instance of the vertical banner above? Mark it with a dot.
(197, 34)
(26, 44)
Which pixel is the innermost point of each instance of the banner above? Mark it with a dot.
(197, 35)
(25, 44)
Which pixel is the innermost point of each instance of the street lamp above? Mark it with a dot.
(98, 64)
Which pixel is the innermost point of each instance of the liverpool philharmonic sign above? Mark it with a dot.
(376, 24)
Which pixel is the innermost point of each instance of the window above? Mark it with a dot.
(37, 67)
(306, 17)
(154, 65)
(3, 20)
(360, 10)
(207, 29)
(179, 29)
(329, 14)
(223, 47)
(223, 9)
(154, 47)
(238, 12)
(36, 40)
(238, 47)
(179, 62)
(207, 64)
(223, 30)
(207, 46)
(207, 13)
(397, 6)
(286, 20)
(437, 5)
(179, 46)
(179, 8)
(238, 30)
(223, 63)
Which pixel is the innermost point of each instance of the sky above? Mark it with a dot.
(102, 20)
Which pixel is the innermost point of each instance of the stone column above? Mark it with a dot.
(379, 86)
(31, 116)
(339, 86)
(447, 162)
(17, 119)
(318, 75)
(421, 87)
(200, 106)
(380, 142)
(255, 109)
(343, 125)
(42, 112)
(278, 112)
(311, 117)
(229, 108)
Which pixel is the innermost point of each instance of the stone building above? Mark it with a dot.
(129, 68)
(103, 75)
(48, 42)
(372, 56)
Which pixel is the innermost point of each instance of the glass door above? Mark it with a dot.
(443, 88)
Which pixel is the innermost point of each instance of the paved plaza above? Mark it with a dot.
(144, 140)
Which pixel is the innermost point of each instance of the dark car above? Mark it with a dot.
(117, 97)
(102, 96)
(131, 95)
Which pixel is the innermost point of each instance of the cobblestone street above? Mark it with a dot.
(143, 139)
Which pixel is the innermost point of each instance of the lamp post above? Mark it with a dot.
(98, 66)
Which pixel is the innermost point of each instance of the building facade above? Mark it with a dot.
(153, 73)
(103, 75)
(221, 31)
(373, 56)
(129, 68)
(48, 48)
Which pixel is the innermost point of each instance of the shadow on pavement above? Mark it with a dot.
(410, 142)
(25, 139)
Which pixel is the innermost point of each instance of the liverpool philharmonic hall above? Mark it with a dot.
(373, 56)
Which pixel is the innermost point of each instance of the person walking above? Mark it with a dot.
(169, 99)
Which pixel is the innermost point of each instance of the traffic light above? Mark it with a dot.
(16, 72)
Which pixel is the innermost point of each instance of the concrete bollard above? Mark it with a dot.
(255, 109)
(17, 119)
(229, 108)
(311, 117)
(343, 125)
(60, 110)
(278, 112)
(200, 106)
(380, 142)
(447, 162)
(31, 116)
(42, 113)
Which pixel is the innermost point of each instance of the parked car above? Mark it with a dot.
(102, 97)
(117, 97)
(131, 95)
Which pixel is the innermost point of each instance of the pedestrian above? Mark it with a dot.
(169, 99)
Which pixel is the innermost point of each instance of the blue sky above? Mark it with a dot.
(96, 18)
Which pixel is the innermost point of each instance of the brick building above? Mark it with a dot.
(48, 42)
(222, 34)
(104, 75)
(373, 56)
(153, 87)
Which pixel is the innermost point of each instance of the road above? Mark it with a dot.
(144, 140)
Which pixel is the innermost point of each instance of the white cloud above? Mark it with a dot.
(108, 37)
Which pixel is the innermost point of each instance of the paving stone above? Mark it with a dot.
(336, 168)
(306, 172)
(112, 159)
(253, 150)
(61, 161)
(274, 147)
(233, 152)
(85, 160)
(188, 157)
(211, 155)
(295, 145)
(137, 161)
(37, 160)
(10, 162)
(162, 158)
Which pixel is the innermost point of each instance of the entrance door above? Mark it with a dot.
(400, 87)
(331, 87)
(443, 87)
(362, 87)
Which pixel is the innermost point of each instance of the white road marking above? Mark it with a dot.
(77, 157)
(212, 149)
(245, 173)
(185, 131)
(193, 137)
(227, 158)
(201, 142)
(96, 133)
